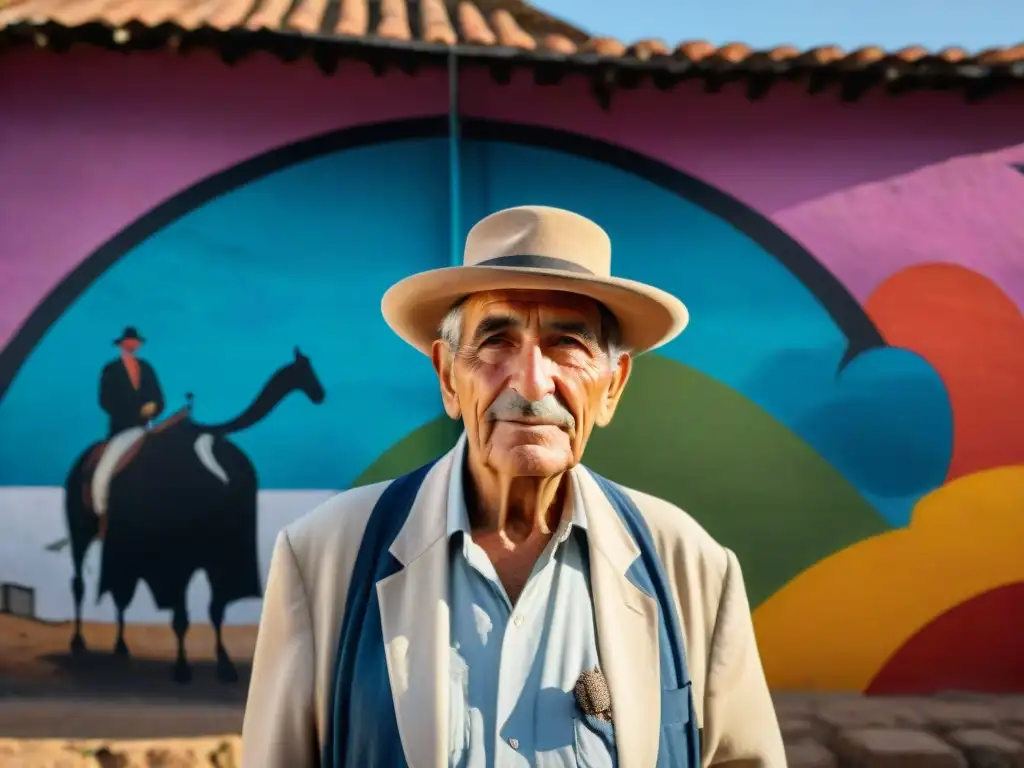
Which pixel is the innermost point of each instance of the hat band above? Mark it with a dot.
(525, 261)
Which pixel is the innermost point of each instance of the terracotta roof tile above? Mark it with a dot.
(509, 33)
(557, 43)
(604, 46)
(647, 49)
(269, 14)
(229, 14)
(507, 23)
(308, 15)
(695, 50)
(437, 25)
(478, 25)
(353, 19)
(1001, 55)
(475, 28)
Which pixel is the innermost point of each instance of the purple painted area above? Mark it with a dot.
(92, 140)
(773, 154)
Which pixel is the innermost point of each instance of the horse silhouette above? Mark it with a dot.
(185, 502)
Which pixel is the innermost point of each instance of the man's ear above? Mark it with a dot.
(610, 401)
(443, 360)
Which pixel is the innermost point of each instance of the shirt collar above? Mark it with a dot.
(458, 513)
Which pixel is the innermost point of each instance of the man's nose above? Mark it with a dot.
(533, 378)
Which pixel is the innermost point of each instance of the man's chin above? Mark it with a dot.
(532, 460)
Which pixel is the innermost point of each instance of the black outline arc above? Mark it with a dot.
(844, 309)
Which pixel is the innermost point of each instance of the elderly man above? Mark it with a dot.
(504, 606)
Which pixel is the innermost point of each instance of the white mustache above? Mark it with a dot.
(510, 405)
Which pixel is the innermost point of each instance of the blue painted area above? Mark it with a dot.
(880, 419)
(304, 255)
(225, 293)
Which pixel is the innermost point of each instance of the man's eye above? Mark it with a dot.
(493, 341)
(568, 341)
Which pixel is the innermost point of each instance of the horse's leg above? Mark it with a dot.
(179, 623)
(78, 593)
(226, 671)
(120, 647)
(78, 550)
(122, 595)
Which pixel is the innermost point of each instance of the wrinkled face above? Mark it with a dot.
(130, 346)
(530, 379)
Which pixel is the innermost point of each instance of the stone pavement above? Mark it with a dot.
(821, 731)
(948, 731)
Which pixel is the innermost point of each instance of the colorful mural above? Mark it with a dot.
(843, 411)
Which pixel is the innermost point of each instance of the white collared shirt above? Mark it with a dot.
(513, 668)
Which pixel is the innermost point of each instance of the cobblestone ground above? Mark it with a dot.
(950, 731)
(821, 731)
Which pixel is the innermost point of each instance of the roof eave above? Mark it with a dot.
(607, 72)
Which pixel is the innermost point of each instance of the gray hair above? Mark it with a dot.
(450, 330)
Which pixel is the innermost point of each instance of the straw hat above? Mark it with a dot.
(541, 248)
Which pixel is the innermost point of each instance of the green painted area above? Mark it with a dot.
(751, 482)
(414, 450)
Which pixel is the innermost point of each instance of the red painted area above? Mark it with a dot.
(976, 646)
(973, 335)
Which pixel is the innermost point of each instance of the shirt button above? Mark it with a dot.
(514, 743)
(518, 619)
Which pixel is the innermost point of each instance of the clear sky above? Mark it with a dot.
(971, 24)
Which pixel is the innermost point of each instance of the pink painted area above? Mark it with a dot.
(92, 140)
(967, 211)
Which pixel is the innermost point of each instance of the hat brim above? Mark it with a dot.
(415, 306)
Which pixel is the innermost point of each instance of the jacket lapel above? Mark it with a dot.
(415, 624)
(627, 630)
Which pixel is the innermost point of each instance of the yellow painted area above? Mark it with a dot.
(837, 623)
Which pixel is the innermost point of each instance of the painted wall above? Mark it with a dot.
(844, 410)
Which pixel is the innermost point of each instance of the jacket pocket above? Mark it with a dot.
(594, 742)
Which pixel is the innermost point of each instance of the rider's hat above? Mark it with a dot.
(130, 334)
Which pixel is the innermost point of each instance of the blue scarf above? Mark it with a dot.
(362, 730)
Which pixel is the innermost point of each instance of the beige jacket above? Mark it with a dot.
(287, 709)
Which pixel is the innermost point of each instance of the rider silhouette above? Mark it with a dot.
(130, 394)
(129, 390)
